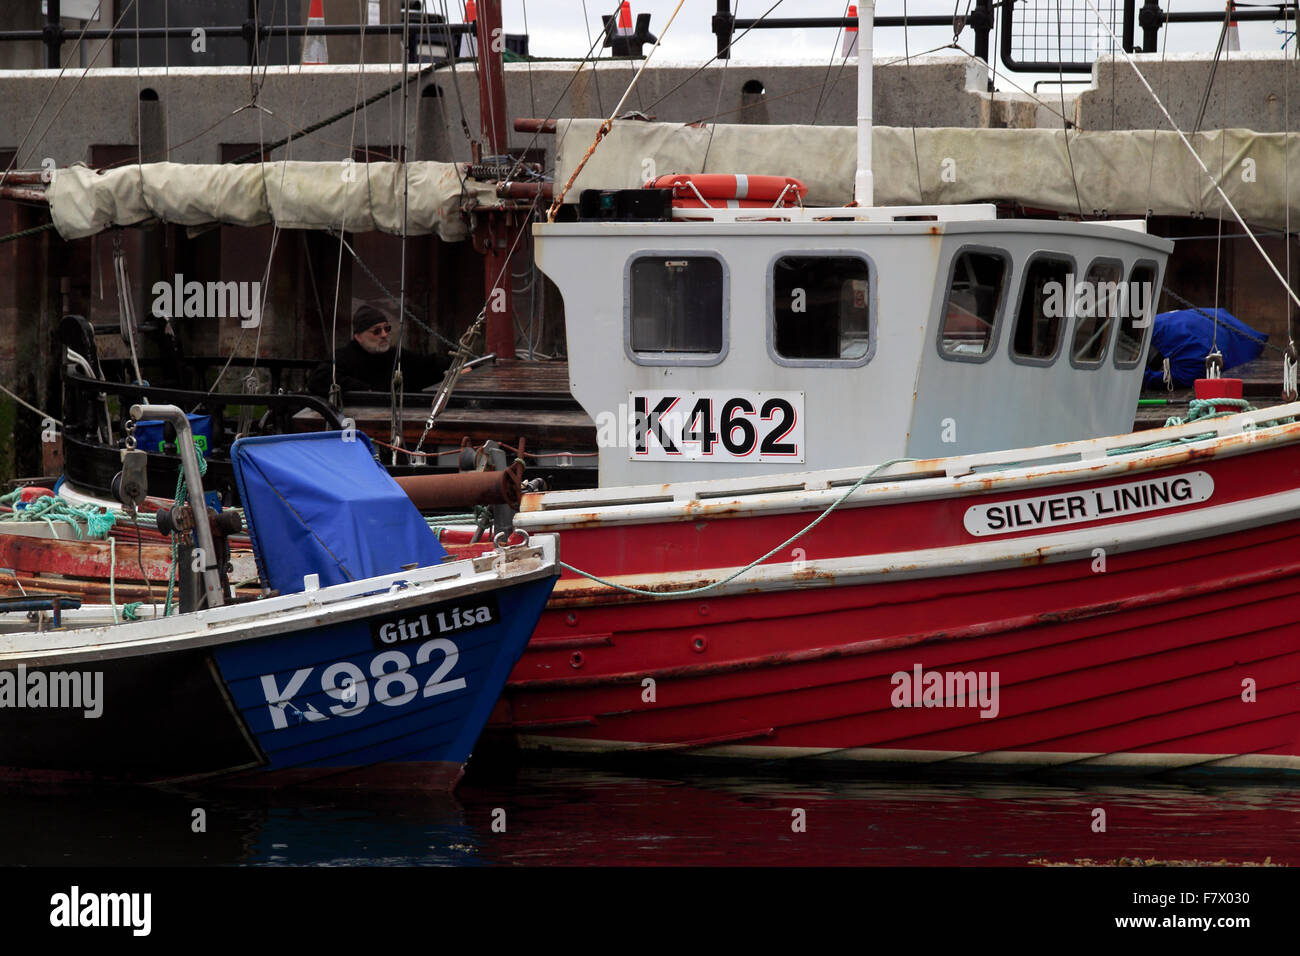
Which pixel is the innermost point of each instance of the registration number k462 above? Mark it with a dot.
(717, 425)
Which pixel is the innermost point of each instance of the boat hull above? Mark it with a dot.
(1149, 640)
(393, 697)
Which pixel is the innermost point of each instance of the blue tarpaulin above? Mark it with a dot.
(316, 504)
(1186, 336)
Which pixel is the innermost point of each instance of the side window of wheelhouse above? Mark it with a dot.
(1096, 304)
(1139, 311)
(821, 308)
(970, 311)
(675, 305)
(1043, 308)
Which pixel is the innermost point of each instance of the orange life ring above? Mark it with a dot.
(745, 191)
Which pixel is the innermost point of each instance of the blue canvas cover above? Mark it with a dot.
(316, 504)
(1186, 336)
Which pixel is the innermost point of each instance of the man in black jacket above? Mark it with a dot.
(366, 363)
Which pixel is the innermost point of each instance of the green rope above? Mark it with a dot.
(641, 592)
(1201, 409)
(23, 233)
(130, 611)
(182, 493)
(52, 508)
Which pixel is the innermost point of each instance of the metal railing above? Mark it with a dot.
(423, 29)
(1037, 36)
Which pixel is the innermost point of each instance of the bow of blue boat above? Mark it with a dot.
(370, 662)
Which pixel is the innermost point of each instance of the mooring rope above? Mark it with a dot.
(642, 592)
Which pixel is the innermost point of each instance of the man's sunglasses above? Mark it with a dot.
(385, 329)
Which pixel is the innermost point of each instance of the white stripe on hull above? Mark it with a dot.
(993, 758)
(1136, 535)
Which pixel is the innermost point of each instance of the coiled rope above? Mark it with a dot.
(97, 522)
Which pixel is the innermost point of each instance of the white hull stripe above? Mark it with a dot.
(1004, 758)
(1136, 535)
(355, 600)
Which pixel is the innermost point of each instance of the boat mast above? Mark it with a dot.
(863, 187)
(494, 240)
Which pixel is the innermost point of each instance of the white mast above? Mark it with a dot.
(863, 190)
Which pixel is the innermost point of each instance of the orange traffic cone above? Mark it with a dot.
(850, 47)
(468, 42)
(625, 19)
(1234, 39)
(314, 52)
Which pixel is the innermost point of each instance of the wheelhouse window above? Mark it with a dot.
(1096, 304)
(1044, 299)
(970, 311)
(675, 305)
(821, 308)
(1139, 310)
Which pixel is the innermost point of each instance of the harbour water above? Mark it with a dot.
(576, 816)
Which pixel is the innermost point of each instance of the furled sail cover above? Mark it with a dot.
(318, 504)
(1115, 171)
(361, 197)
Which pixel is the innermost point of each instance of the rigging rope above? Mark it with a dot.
(703, 589)
(29, 406)
(1217, 187)
(1065, 123)
(608, 124)
(125, 305)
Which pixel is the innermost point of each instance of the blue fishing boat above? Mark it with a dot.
(369, 662)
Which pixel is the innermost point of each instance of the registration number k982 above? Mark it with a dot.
(716, 425)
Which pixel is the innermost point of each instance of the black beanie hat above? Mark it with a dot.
(366, 318)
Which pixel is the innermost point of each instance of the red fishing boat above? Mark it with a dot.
(858, 501)
(1128, 611)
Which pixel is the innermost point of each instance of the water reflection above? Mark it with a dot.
(577, 816)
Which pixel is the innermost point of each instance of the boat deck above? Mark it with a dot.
(506, 401)
(1261, 386)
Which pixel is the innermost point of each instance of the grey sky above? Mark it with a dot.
(558, 28)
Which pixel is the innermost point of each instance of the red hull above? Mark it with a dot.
(1149, 665)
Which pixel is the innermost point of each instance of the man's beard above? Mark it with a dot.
(377, 348)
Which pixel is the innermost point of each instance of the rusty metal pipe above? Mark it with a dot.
(526, 190)
(23, 194)
(25, 177)
(531, 125)
(194, 483)
(464, 490)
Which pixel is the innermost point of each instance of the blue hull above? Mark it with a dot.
(395, 700)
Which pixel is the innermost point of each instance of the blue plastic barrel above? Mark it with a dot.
(149, 434)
